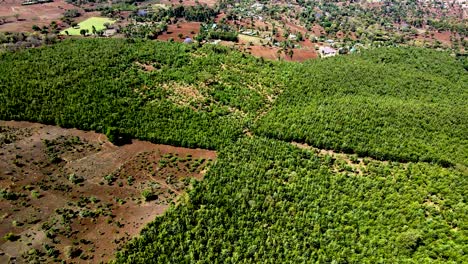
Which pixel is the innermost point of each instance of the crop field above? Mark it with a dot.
(63, 190)
(97, 22)
(251, 39)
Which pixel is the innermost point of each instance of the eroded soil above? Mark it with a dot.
(67, 194)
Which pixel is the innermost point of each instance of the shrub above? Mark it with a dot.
(148, 195)
(11, 237)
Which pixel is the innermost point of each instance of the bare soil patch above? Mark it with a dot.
(70, 194)
(187, 29)
(40, 14)
(271, 53)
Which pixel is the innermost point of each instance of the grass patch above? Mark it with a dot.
(97, 22)
(254, 40)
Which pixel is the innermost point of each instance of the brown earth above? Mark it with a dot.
(40, 14)
(75, 192)
(184, 28)
(271, 53)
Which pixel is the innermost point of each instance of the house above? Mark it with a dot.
(257, 7)
(292, 37)
(109, 32)
(248, 32)
(327, 52)
(188, 41)
(142, 12)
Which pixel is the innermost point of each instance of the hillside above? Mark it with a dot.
(166, 93)
(268, 202)
(401, 104)
(279, 190)
(392, 104)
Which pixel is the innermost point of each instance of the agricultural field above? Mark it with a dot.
(96, 22)
(63, 190)
(180, 31)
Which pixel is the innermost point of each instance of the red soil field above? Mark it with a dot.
(40, 14)
(184, 28)
(104, 207)
(271, 53)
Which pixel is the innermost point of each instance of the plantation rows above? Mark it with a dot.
(264, 200)
(384, 103)
(269, 202)
(100, 84)
(400, 104)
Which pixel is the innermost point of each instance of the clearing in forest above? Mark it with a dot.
(97, 22)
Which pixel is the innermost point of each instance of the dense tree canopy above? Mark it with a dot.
(269, 202)
(401, 104)
(265, 200)
(168, 93)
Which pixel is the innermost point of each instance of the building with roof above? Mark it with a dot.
(327, 52)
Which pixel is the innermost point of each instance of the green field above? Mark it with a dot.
(97, 22)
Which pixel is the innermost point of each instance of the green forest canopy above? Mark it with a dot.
(402, 104)
(265, 200)
(188, 97)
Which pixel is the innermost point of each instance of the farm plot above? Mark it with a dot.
(97, 22)
(63, 191)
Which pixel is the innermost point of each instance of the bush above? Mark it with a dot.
(72, 252)
(11, 237)
(148, 195)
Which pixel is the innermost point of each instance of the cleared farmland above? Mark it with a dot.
(97, 22)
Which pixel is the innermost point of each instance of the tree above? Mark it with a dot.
(83, 32)
(17, 16)
(36, 28)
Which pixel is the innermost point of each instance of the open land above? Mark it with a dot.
(97, 22)
(184, 29)
(40, 14)
(67, 188)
